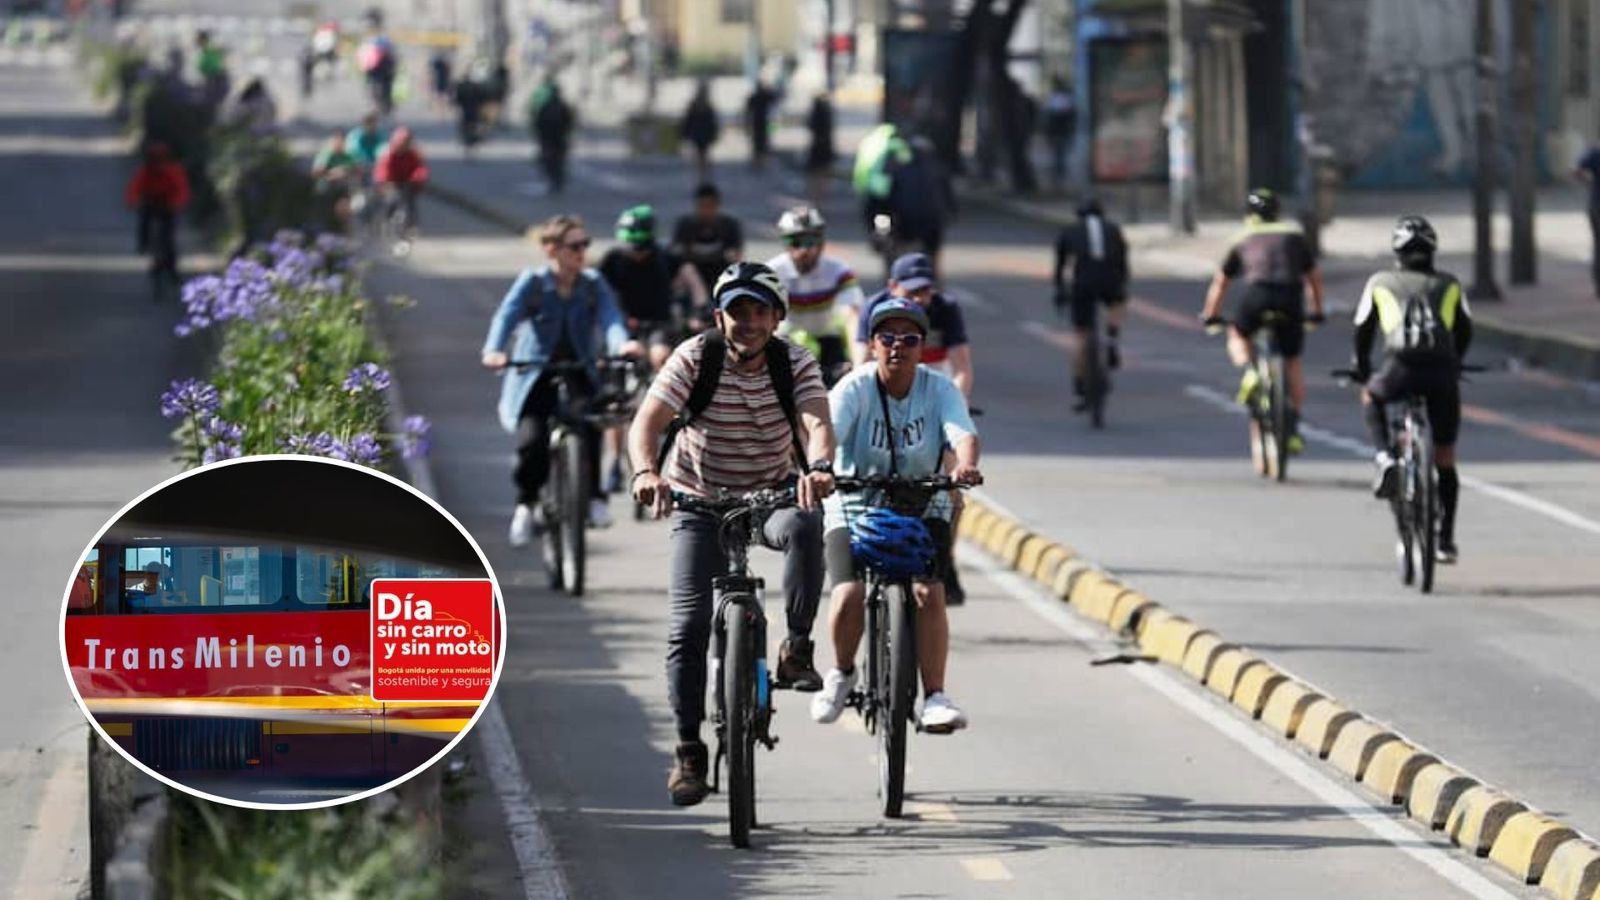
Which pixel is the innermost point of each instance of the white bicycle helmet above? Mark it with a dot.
(754, 280)
(800, 220)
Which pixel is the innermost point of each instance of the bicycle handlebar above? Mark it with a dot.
(767, 499)
(1355, 377)
(603, 363)
(854, 483)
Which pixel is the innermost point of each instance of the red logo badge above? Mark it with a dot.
(432, 639)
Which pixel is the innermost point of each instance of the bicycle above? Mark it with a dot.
(1415, 500)
(397, 227)
(1096, 378)
(565, 499)
(165, 281)
(887, 699)
(1271, 413)
(742, 684)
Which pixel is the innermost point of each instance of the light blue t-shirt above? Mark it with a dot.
(931, 415)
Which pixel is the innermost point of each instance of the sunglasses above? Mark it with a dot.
(577, 245)
(804, 243)
(908, 341)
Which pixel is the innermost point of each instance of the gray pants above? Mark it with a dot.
(696, 559)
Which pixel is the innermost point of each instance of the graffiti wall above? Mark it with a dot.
(1394, 87)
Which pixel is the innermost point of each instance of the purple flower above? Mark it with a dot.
(289, 237)
(365, 377)
(221, 450)
(414, 437)
(223, 431)
(293, 267)
(365, 449)
(333, 284)
(320, 444)
(190, 397)
(244, 291)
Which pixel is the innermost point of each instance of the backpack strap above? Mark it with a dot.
(713, 356)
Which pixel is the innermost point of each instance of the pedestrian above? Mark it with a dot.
(552, 130)
(439, 77)
(308, 71)
(820, 155)
(1060, 125)
(471, 95)
(255, 109)
(758, 121)
(1588, 171)
(699, 127)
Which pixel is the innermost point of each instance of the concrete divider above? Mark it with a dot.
(1476, 819)
(1434, 793)
(1394, 768)
(1169, 639)
(1321, 724)
(1256, 683)
(1573, 872)
(1286, 706)
(1486, 822)
(1225, 671)
(1526, 843)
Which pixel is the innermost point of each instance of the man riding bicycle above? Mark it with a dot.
(1095, 248)
(751, 413)
(401, 174)
(550, 314)
(1427, 328)
(1277, 264)
(159, 191)
(824, 295)
(895, 418)
(710, 239)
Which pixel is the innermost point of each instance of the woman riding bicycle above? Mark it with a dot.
(894, 418)
(1427, 328)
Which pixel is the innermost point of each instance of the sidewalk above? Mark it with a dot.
(1554, 324)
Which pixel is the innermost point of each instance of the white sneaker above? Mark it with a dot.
(828, 703)
(521, 526)
(599, 513)
(940, 716)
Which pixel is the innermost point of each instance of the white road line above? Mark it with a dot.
(931, 812)
(536, 858)
(986, 868)
(1364, 451)
(970, 299)
(1286, 762)
(55, 827)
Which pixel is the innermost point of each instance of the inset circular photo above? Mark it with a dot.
(282, 632)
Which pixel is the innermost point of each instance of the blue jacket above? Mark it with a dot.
(531, 319)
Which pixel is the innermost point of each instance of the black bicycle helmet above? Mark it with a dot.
(1413, 235)
(893, 545)
(1263, 204)
(1090, 206)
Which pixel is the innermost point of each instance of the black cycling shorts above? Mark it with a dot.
(842, 565)
(1396, 380)
(1083, 311)
(1289, 329)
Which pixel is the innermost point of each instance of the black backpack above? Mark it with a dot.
(1421, 333)
(713, 355)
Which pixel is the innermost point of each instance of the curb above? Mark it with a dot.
(1526, 844)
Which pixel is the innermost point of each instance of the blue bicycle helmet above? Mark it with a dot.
(893, 545)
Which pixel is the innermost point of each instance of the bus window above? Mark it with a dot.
(324, 578)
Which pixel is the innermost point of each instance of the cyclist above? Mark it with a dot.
(1427, 328)
(708, 238)
(1276, 262)
(401, 174)
(159, 190)
(377, 59)
(747, 420)
(945, 347)
(916, 205)
(895, 418)
(1095, 248)
(337, 174)
(824, 296)
(550, 314)
(653, 288)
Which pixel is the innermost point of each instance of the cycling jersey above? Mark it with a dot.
(364, 145)
(947, 328)
(1269, 253)
(643, 286)
(710, 246)
(815, 296)
(1422, 314)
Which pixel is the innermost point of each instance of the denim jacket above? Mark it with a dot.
(531, 319)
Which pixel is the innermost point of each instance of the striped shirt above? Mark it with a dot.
(816, 296)
(741, 441)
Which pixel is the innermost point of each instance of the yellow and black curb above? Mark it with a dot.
(1533, 847)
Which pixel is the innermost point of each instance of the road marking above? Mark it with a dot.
(56, 825)
(1047, 334)
(971, 299)
(1361, 449)
(536, 858)
(986, 868)
(1244, 734)
(1549, 434)
(1147, 309)
(931, 812)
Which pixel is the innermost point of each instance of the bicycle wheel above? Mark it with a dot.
(1402, 514)
(1279, 420)
(1425, 508)
(739, 698)
(1094, 381)
(554, 500)
(900, 696)
(574, 516)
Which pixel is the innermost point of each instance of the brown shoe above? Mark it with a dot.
(795, 669)
(687, 783)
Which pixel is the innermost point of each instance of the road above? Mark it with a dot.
(1127, 780)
